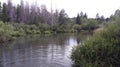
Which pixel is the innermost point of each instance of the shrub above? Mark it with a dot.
(103, 50)
(9, 31)
(47, 32)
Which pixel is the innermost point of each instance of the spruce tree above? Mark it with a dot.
(85, 16)
(4, 12)
(0, 11)
(78, 19)
(62, 17)
(18, 14)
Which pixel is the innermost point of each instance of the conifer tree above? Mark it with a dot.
(4, 12)
(78, 19)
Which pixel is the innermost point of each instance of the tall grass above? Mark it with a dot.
(103, 50)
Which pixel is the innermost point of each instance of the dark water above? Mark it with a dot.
(39, 51)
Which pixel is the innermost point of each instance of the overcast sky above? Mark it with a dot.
(72, 7)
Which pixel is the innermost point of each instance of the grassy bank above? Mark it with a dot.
(103, 50)
(9, 31)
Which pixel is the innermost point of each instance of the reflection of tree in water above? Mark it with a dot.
(81, 37)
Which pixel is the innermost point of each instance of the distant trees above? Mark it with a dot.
(117, 13)
(45, 15)
(62, 17)
(81, 18)
(10, 11)
(0, 11)
(100, 19)
(4, 12)
(24, 13)
(83, 23)
(57, 20)
(18, 13)
(54, 21)
(85, 15)
(78, 20)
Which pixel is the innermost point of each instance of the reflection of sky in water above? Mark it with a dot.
(71, 42)
(41, 52)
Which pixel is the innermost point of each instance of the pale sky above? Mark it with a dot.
(72, 7)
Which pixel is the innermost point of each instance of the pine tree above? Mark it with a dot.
(0, 11)
(78, 21)
(97, 16)
(27, 13)
(62, 17)
(81, 14)
(18, 14)
(10, 11)
(4, 12)
(85, 16)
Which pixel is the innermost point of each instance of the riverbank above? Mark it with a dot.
(102, 50)
(10, 31)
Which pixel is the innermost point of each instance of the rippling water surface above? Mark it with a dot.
(39, 51)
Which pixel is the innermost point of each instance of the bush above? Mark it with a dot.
(5, 32)
(90, 25)
(47, 32)
(77, 27)
(43, 27)
(8, 31)
(103, 50)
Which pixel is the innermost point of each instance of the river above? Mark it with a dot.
(39, 51)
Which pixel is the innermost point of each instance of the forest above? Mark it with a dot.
(24, 19)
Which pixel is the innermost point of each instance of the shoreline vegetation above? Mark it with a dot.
(24, 19)
(11, 31)
(102, 50)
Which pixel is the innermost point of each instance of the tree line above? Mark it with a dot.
(23, 19)
(56, 21)
(24, 13)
